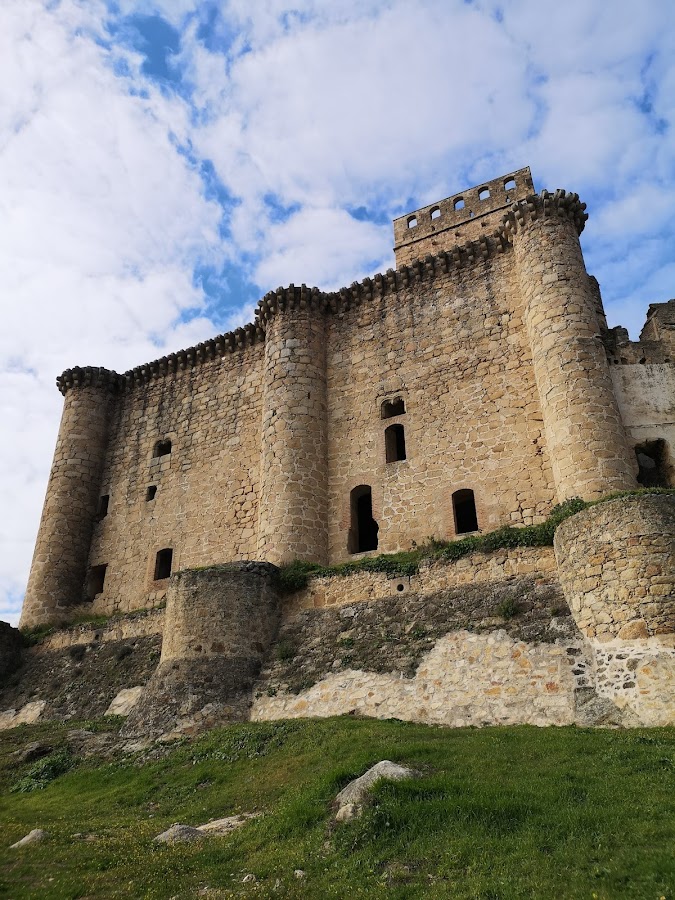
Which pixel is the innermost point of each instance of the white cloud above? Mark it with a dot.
(101, 223)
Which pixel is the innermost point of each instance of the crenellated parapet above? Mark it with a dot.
(276, 302)
(561, 204)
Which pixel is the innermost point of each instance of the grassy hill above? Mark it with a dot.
(499, 813)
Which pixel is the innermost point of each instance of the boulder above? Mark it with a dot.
(125, 701)
(349, 802)
(33, 837)
(227, 825)
(179, 834)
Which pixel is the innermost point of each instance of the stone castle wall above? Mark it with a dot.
(493, 355)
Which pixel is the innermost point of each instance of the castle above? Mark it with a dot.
(476, 385)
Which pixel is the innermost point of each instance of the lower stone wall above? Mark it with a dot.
(76, 680)
(478, 568)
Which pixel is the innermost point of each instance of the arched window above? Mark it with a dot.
(394, 443)
(412, 221)
(435, 213)
(162, 448)
(464, 510)
(510, 184)
(459, 203)
(483, 194)
(364, 528)
(163, 562)
(391, 408)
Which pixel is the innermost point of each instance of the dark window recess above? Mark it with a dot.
(653, 460)
(151, 492)
(162, 448)
(95, 581)
(464, 509)
(391, 408)
(163, 563)
(103, 503)
(364, 528)
(394, 443)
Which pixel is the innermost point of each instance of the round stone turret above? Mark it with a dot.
(59, 565)
(586, 439)
(616, 563)
(293, 501)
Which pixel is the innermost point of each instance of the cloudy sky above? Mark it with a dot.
(163, 163)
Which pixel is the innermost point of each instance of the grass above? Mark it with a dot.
(294, 576)
(499, 813)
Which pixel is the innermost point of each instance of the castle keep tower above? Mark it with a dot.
(59, 566)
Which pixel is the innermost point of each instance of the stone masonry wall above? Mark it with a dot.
(478, 568)
(455, 350)
(207, 488)
(616, 563)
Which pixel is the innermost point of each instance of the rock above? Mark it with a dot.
(634, 630)
(248, 879)
(299, 873)
(591, 709)
(32, 751)
(349, 802)
(125, 701)
(33, 837)
(27, 715)
(179, 834)
(227, 825)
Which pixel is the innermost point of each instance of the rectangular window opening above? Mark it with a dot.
(163, 562)
(94, 583)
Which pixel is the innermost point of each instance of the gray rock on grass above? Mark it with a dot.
(349, 802)
(33, 837)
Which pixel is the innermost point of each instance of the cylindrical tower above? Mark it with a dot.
(60, 558)
(293, 502)
(585, 435)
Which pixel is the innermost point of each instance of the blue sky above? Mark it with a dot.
(166, 162)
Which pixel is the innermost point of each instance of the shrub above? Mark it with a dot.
(43, 772)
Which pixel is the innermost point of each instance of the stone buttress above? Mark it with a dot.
(586, 438)
(293, 501)
(60, 558)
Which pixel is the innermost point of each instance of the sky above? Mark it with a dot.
(164, 163)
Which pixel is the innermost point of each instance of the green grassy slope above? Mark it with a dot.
(500, 813)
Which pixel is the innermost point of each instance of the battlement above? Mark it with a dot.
(458, 218)
(515, 215)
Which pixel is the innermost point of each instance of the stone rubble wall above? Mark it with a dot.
(616, 563)
(466, 679)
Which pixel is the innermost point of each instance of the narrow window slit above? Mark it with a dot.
(394, 443)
